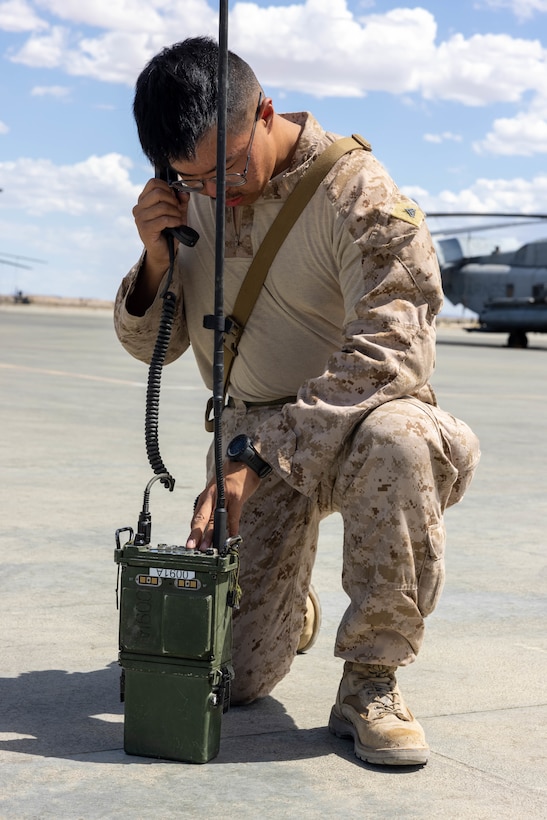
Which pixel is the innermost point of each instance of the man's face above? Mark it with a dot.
(250, 155)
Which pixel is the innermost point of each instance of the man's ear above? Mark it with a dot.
(267, 112)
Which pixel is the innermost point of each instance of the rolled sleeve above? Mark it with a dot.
(138, 334)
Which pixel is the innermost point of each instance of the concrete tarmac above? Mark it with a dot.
(73, 470)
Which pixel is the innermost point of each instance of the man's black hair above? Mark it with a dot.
(176, 98)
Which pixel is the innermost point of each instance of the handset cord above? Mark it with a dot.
(154, 374)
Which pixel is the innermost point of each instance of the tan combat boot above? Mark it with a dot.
(370, 709)
(312, 622)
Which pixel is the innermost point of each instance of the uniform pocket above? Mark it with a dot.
(461, 445)
(431, 577)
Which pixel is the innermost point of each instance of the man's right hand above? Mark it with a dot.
(158, 207)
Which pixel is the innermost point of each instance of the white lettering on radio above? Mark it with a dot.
(166, 572)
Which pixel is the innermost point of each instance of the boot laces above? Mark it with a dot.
(380, 689)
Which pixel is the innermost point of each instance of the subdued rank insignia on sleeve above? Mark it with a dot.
(408, 211)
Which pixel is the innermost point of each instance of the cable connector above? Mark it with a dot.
(144, 528)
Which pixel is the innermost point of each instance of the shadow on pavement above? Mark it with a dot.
(71, 715)
(51, 713)
(55, 713)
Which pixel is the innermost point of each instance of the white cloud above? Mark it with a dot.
(321, 48)
(59, 91)
(317, 46)
(4, 129)
(446, 135)
(485, 68)
(94, 57)
(117, 15)
(488, 195)
(523, 135)
(44, 51)
(98, 185)
(135, 31)
(17, 15)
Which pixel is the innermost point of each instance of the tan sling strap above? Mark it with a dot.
(278, 231)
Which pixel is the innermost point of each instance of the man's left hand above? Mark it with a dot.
(240, 482)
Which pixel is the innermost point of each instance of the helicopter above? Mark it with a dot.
(13, 260)
(506, 289)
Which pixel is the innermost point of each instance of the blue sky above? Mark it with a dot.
(453, 97)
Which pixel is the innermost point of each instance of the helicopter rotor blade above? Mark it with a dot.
(20, 256)
(496, 214)
(476, 228)
(14, 264)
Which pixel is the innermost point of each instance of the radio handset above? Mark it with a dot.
(188, 236)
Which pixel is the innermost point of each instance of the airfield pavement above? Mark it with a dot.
(73, 470)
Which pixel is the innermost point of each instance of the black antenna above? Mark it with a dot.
(219, 536)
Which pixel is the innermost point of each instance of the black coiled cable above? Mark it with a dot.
(154, 378)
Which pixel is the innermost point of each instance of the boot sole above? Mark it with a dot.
(383, 757)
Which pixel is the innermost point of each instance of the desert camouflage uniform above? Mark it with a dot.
(345, 328)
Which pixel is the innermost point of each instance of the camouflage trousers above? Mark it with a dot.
(404, 464)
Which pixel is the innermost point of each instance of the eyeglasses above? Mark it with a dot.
(232, 180)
